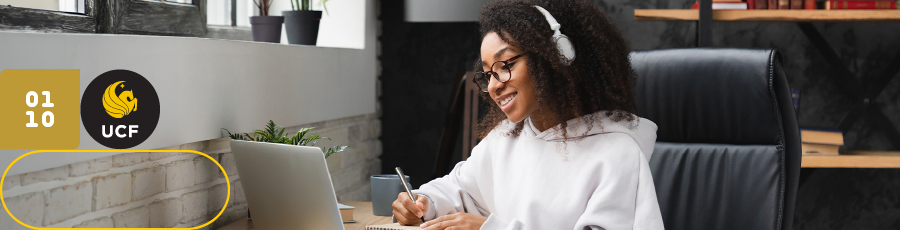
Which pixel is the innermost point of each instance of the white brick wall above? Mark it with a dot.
(58, 173)
(28, 208)
(227, 162)
(88, 167)
(111, 191)
(127, 159)
(237, 193)
(148, 182)
(161, 155)
(194, 205)
(216, 198)
(135, 218)
(174, 189)
(11, 182)
(165, 213)
(179, 175)
(102, 222)
(205, 170)
(66, 202)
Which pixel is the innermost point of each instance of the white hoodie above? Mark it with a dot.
(600, 181)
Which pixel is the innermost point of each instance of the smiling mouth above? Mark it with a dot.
(507, 99)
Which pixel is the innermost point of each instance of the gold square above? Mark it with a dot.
(62, 86)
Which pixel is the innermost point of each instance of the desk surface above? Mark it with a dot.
(362, 214)
(769, 15)
(854, 159)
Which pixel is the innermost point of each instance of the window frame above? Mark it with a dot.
(152, 17)
(142, 17)
(19, 18)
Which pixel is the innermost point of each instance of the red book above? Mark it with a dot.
(773, 4)
(809, 4)
(797, 4)
(859, 5)
(751, 4)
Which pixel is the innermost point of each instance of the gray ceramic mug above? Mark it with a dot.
(385, 188)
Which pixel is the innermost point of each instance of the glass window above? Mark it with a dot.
(55, 5)
(218, 12)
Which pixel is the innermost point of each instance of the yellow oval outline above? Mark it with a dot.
(227, 182)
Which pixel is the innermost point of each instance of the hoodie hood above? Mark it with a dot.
(642, 130)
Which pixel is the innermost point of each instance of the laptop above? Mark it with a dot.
(287, 187)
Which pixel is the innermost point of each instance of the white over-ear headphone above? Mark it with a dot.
(561, 40)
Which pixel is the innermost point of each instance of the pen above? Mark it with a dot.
(406, 186)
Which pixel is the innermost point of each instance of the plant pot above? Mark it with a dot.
(266, 28)
(302, 27)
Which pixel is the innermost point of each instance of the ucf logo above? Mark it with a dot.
(109, 109)
(118, 107)
(121, 105)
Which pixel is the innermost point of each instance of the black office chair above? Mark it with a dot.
(727, 152)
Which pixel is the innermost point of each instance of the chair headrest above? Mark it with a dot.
(709, 95)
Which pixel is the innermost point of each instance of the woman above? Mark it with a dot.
(562, 147)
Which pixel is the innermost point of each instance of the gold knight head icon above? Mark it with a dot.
(120, 105)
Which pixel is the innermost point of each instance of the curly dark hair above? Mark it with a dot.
(600, 77)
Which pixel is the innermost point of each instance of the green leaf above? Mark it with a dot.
(336, 149)
(234, 136)
(322, 3)
(275, 134)
(311, 138)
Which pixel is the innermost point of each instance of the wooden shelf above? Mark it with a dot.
(769, 15)
(851, 161)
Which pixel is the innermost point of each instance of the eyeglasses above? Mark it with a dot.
(499, 70)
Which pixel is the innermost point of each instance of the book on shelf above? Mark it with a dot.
(819, 149)
(797, 4)
(760, 4)
(822, 136)
(860, 5)
(809, 4)
(821, 141)
(724, 5)
(346, 213)
(784, 4)
(773, 4)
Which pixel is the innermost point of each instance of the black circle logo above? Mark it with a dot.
(111, 113)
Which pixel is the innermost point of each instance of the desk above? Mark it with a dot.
(362, 214)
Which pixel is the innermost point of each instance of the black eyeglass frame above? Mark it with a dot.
(494, 74)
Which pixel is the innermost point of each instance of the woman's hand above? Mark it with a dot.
(408, 212)
(456, 221)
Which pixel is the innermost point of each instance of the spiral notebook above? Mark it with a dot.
(394, 226)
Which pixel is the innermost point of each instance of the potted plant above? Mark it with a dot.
(275, 134)
(302, 23)
(266, 28)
